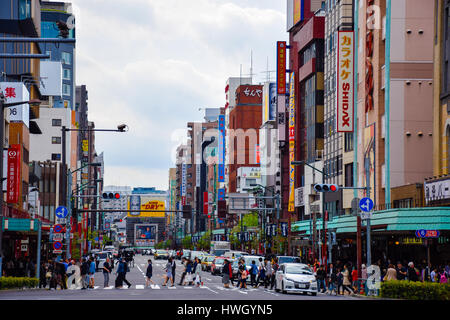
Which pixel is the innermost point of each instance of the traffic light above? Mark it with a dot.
(110, 195)
(326, 187)
(221, 209)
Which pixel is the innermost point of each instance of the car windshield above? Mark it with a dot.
(102, 255)
(288, 260)
(161, 251)
(219, 261)
(298, 270)
(219, 252)
(210, 259)
(249, 259)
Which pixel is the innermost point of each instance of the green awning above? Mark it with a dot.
(406, 219)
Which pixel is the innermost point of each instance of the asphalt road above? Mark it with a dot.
(212, 289)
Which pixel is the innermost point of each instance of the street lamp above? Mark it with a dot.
(4, 105)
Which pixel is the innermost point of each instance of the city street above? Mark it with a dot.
(212, 289)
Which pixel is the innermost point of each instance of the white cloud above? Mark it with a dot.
(152, 63)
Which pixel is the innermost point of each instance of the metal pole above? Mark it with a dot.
(38, 249)
(369, 256)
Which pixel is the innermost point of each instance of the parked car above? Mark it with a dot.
(161, 254)
(206, 263)
(217, 265)
(295, 277)
(288, 259)
(186, 254)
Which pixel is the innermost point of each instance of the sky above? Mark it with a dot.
(152, 64)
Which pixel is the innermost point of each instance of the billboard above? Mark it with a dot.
(295, 12)
(17, 92)
(145, 234)
(269, 102)
(281, 67)
(137, 202)
(344, 71)
(221, 146)
(13, 182)
(291, 205)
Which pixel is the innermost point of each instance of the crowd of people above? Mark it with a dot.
(22, 267)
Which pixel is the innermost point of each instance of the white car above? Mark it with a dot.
(295, 277)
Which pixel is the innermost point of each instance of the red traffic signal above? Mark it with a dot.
(111, 195)
(326, 187)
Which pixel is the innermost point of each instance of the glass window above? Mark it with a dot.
(56, 140)
(67, 74)
(56, 156)
(66, 88)
(56, 122)
(24, 9)
(66, 58)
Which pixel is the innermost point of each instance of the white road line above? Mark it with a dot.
(212, 290)
(109, 288)
(140, 286)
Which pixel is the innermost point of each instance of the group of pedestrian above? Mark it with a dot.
(190, 275)
(22, 267)
(423, 273)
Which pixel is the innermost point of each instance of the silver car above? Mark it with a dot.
(295, 277)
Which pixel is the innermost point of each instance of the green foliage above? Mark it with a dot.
(186, 242)
(18, 282)
(411, 290)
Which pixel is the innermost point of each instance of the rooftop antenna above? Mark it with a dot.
(268, 72)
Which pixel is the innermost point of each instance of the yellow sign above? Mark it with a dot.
(85, 145)
(149, 205)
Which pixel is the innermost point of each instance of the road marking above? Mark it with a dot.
(140, 286)
(171, 287)
(155, 286)
(109, 288)
(212, 290)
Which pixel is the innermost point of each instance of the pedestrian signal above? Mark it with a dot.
(326, 187)
(221, 209)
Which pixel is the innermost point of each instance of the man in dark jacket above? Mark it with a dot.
(321, 275)
(83, 272)
(412, 274)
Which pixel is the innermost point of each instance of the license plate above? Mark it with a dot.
(300, 286)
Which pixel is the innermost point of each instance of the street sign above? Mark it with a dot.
(58, 228)
(61, 212)
(58, 237)
(60, 220)
(366, 215)
(57, 245)
(427, 233)
(366, 204)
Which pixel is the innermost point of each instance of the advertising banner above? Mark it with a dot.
(13, 182)
(145, 203)
(221, 146)
(291, 205)
(281, 67)
(344, 73)
(269, 102)
(183, 184)
(17, 92)
(145, 234)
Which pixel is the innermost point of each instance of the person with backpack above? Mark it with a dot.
(253, 273)
(84, 274)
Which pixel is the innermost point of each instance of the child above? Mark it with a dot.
(149, 273)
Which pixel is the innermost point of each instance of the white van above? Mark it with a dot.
(234, 254)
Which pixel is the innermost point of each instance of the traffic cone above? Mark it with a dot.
(202, 283)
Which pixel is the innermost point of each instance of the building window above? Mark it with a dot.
(56, 140)
(66, 58)
(67, 74)
(56, 122)
(66, 88)
(348, 141)
(56, 156)
(349, 175)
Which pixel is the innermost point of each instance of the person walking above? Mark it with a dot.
(320, 275)
(84, 270)
(401, 271)
(183, 275)
(123, 275)
(332, 279)
(149, 274)
(261, 273)
(391, 273)
(227, 273)
(42, 274)
(347, 281)
(168, 275)
(253, 273)
(355, 281)
(412, 272)
(107, 268)
(119, 272)
(268, 273)
(92, 268)
(274, 270)
(340, 281)
(174, 266)
(243, 275)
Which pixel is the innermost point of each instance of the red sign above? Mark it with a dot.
(205, 203)
(13, 181)
(281, 67)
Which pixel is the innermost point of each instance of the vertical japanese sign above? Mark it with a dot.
(291, 205)
(205, 203)
(344, 73)
(221, 166)
(183, 184)
(13, 183)
(281, 67)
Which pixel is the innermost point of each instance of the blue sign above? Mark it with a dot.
(284, 229)
(57, 245)
(61, 212)
(58, 228)
(427, 233)
(366, 204)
